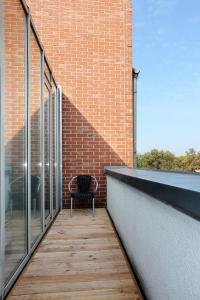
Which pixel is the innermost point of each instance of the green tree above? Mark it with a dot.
(165, 160)
(155, 159)
(193, 160)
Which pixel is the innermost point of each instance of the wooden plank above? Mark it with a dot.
(73, 278)
(79, 258)
(78, 245)
(71, 286)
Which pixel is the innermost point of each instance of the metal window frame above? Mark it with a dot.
(57, 150)
(4, 289)
(48, 86)
(50, 149)
(49, 73)
(42, 143)
(31, 245)
(33, 242)
(27, 10)
(24, 257)
(53, 144)
(59, 142)
(2, 185)
(56, 146)
(18, 268)
(28, 132)
(135, 74)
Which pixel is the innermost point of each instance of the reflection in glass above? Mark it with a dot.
(14, 137)
(46, 150)
(35, 117)
(23, 136)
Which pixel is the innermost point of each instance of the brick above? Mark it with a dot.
(88, 44)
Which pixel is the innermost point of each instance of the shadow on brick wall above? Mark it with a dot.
(85, 151)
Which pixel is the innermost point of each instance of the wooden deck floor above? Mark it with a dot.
(79, 258)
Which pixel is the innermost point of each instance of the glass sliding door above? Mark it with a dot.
(15, 136)
(47, 156)
(30, 172)
(35, 135)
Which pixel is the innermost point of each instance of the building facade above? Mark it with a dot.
(89, 46)
(83, 48)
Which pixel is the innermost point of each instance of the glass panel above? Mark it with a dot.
(35, 125)
(14, 137)
(46, 150)
(54, 98)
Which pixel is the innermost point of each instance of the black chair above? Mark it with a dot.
(35, 192)
(83, 182)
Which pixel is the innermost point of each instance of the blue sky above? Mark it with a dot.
(166, 50)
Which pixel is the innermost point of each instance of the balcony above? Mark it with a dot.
(47, 131)
(157, 215)
(156, 225)
(79, 258)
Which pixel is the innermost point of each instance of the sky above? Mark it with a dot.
(166, 50)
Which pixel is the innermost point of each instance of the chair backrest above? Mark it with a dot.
(35, 185)
(84, 182)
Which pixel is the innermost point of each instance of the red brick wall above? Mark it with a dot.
(89, 46)
(14, 103)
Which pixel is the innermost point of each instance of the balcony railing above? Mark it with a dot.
(157, 217)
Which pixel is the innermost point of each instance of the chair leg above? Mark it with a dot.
(93, 207)
(71, 207)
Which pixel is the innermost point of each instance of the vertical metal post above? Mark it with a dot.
(42, 144)
(56, 149)
(56, 146)
(60, 145)
(48, 86)
(2, 158)
(28, 131)
(135, 74)
(41, 140)
(71, 208)
(50, 149)
(93, 207)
